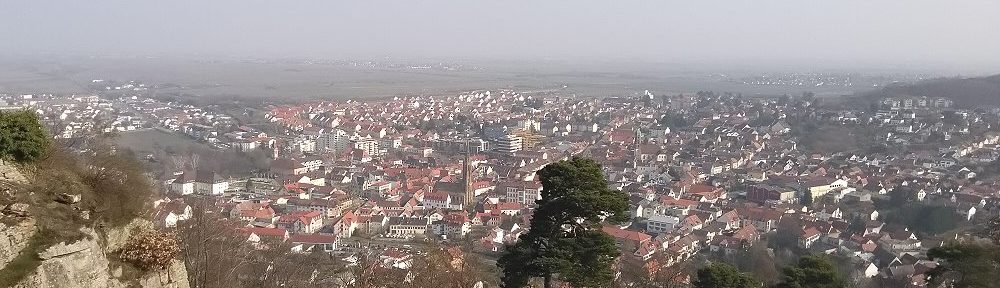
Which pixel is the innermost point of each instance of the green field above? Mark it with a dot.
(150, 141)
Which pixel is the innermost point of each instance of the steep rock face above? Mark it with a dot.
(84, 264)
(10, 174)
(14, 238)
(80, 264)
(174, 276)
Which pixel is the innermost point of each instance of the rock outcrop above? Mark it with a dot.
(84, 264)
(14, 238)
(9, 173)
(81, 264)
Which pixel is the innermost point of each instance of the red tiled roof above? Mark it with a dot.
(626, 234)
(809, 232)
(265, 232)
(313, 238)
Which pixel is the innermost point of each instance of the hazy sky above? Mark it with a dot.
(837, 32)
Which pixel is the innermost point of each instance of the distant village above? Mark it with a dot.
(707, 174)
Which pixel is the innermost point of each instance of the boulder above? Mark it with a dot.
(68, 198)
(17, 209)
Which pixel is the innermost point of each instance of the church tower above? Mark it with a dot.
(636, 141)
(468, 178)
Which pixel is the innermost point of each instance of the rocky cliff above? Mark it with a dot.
(14, 238)
(83, 263)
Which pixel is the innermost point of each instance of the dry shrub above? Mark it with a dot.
(121, 192)
(149, 250)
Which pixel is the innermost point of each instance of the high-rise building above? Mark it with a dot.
(530, 139)
(368, 145)
(335, 141)
(508, 144)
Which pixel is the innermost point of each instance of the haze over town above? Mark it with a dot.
(369, 144)
(954, 35)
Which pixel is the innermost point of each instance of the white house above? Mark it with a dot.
(440, 200)
(201, 182)
(659, 223)
(302, 243)
(170, 212)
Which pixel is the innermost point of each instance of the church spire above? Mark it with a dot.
(636, 140)
(467, 177)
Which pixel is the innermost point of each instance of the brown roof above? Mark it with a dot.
(313, 238)
(626, 234)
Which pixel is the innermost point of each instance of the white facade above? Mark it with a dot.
(368, 145)
(183, 188)
(659, 223)
(336, 141)
(523, 195)
(211, 188)
(509, 144)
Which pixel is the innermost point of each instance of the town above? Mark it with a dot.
(709, 176)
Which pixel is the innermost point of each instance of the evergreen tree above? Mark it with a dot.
(966, 265)
(565, 240)
(722, 275)
(812, 271)
(22, 138)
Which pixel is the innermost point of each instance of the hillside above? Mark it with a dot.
(966, 92)
(71, 219)
(38, 254)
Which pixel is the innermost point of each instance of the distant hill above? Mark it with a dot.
(966, 92)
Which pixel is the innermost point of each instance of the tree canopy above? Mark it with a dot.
(966, 265)
(722, 275)
(969, 264)
(812, 271)
(22, 137)
(565, 240)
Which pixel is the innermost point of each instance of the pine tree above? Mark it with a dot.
(22, 137)
(722, 275)
(812, 271)
(565, 241)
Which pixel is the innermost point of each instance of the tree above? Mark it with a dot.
(787, 233)
(966, 264)
(857, 225)
(213, 254)
(722, 275)
(759, 262)
(812, 271)
(121, 190)
(923, 218)
(22, 137)
(565, 240)
(672, 276)
(992, 230)
(901, 195)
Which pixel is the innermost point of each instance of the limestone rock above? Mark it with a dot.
(14, 238)
(68, 198)
(10, 174)
(84, 264)
(17, 209)
(63, 249)
(174, 276)
(87, 267)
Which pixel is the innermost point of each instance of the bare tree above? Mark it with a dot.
(661, 276)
